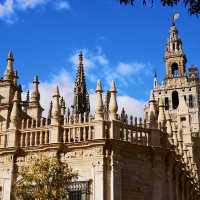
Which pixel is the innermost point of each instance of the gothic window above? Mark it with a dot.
(78, 190)
(175, 72)
(175, 99)
(166, 103)
(191, 101)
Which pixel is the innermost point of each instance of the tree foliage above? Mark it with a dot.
(193, 6)
(42, 179)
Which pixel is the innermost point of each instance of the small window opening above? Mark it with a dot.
(175, 99)
(185, 98)
(183, 119)
(166, 103)
(175, 72)
(191, 105)
(173, 46)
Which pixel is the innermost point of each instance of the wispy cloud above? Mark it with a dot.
(91, 59)
(29, 4)
(6, 10)
(127, 69)
(9, 9)
(98, 66)
(62, 5)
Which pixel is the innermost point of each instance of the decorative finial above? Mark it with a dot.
(28, 96)
(113, 107)
(113, 86)
(174, 17)
(10, 56)
(155, 73)
(99, 86)
(56, 92)
(36, 79)
(99, 102)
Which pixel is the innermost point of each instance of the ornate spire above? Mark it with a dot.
(50, 110)
(113, 107)
(9, 73)
(15, 78)
(63, 107)
(161, 114)
(81, 98)
(14, 116)
(56, 109)
(106, 105)
(99, 102)
(174, 55)
(35, 94)
(155, 81)
(34, 108)
(124, 116)
(152, 108)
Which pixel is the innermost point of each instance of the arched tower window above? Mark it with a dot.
(175, 72)
(175, 99)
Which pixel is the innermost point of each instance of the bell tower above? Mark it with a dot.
(174, 58)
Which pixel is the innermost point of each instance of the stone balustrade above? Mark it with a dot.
(33, 138)
(78, 133)
(81, 129)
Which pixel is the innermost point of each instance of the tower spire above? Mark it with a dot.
(9, 73)
(81, 97)
(175, 58)
(35, 95)
(34, 108)
(155, 81)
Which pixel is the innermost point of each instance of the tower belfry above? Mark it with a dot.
(175, 58)
(81, 98)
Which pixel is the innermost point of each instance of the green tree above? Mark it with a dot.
(193, 6)
(42, 179)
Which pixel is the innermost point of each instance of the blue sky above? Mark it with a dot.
(119, 42)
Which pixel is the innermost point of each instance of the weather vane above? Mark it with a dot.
(174, 18)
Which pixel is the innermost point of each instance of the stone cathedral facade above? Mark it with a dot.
(117, 157)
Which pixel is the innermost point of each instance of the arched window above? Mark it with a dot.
(175, 99)
(166, 103)
(173, 46)
(175, 72)
(191, 101)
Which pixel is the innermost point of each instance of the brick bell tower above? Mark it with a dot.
(174, 57)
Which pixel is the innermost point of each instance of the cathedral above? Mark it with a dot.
(117, 157)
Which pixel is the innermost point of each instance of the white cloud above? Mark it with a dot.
(91, 59)
(131, 105)
(62, 5)
(129, 68)
(10, 8)
(6, 10)
(26, 4)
